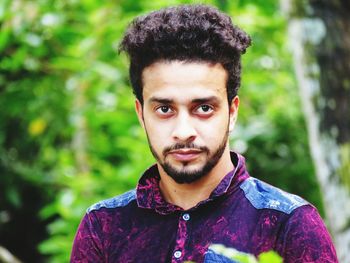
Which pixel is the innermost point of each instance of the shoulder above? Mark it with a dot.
(114, 202)
(264, 196)
(305, 238)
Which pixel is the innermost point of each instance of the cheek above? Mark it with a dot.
(216, 125)
(214, 131)
(157, 133)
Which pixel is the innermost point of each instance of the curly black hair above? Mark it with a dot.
(190, 33)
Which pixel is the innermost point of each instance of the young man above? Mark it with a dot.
(185, 73)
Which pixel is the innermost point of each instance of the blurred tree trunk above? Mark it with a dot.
(319, 32)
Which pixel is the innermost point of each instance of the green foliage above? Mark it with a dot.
(344, 169)
(237, 256)
(68, 132)
(270, 257)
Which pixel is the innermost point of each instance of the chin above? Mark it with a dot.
(187, 175)
(188, 168)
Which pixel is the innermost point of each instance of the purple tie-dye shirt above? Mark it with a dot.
(242, 212)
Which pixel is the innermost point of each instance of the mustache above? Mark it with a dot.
(179, 146)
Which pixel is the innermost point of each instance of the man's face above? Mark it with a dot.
(186, 117)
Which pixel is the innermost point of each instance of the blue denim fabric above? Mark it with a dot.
(262, 195)
(212, 257)
(117, 201)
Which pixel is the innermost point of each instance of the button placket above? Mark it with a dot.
(181, 237)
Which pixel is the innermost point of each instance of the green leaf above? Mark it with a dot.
(270, 257)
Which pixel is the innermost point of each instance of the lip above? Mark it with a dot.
(185, 154)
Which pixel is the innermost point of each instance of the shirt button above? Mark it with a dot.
(186, 217)
(177, 254)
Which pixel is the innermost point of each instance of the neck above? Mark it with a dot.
(187, 196)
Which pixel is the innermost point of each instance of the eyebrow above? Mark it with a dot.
(161, 100)
(212, 99)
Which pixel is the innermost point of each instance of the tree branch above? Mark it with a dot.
(7, 257)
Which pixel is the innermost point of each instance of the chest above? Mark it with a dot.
(186, 236)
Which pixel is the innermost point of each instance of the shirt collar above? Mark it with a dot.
(149, 196)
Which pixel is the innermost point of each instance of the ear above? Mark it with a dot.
(233, 112)
(139, 112)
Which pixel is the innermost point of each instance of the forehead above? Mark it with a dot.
(179, 80)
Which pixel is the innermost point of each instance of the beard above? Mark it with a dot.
(186, 176)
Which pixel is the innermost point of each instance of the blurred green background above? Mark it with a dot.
(68, 132)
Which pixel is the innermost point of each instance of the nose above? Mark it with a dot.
(184, 130)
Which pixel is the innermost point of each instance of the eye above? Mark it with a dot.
(164, 110)
(205, 109)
